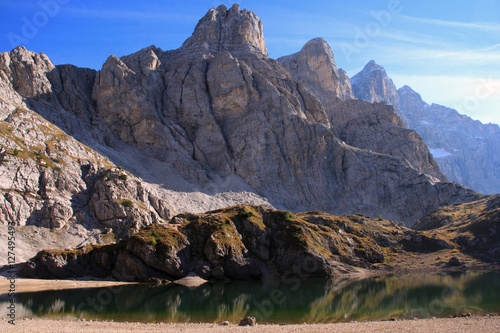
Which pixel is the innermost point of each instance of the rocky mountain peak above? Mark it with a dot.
(314, 66)
(373, 85)
(232, 30)
(27, 72)
(372, 65)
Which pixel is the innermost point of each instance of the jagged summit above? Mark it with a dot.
(406, 88)
(373, 85)
(314, 66)
(232, 30)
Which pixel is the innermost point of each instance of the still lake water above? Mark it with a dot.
(311, 301)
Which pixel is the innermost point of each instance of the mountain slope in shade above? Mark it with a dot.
(466, 150)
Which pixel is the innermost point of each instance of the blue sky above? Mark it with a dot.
(448, 51)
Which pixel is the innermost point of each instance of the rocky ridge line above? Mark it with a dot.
(466, 150)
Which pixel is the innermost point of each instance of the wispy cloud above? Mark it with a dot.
(457, 91)
(469, 25)
(127, 14)
(406, 37)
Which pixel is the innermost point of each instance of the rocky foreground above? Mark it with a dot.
(252, 242)
(458, 325)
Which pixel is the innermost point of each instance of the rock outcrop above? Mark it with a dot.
(466, 150)
(241, 243)
(232, 30)
(50, 180)
(474, 226)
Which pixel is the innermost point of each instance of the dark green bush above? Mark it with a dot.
(127, 203)
(245, 215)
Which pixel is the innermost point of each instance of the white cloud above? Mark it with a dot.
(476, 97)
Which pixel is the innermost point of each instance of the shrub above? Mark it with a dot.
(15, 152)
(108, 175)
(55, 160)
(123, 177)
(57, 169)
(127, 203)
(245, 215)
(380, 217)
(282, 215)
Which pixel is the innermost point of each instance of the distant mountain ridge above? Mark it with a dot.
(467, 151)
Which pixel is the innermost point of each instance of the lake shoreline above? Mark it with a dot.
(33, 285)
(486, 323)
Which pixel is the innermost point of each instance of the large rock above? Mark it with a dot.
(306, 245)
(300, 246)
(474, 226)
(378, 128)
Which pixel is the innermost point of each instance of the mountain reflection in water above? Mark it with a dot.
(291, 301)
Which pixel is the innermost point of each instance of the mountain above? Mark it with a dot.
(466, 150)
(212, 124)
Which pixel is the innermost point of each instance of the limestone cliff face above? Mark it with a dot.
(378, 128)
(465, 150)
(217, 122)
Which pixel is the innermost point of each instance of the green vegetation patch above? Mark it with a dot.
(127, 203)
(228, 237)
(158, 235)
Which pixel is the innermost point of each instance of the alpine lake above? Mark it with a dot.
(279, 302)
